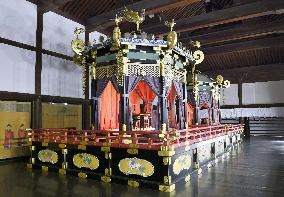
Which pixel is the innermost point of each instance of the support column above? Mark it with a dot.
(86, 105)
(37, 105)
(123, 108)
(185, 104)
(163, 105)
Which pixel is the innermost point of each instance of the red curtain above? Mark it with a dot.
(134, 99)
(172, 110)
(190, 111)
(109, 108)
(146, 94)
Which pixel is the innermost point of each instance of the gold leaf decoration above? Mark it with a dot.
(84, 160)
(136, 166)
(183, 162)
(48, 156)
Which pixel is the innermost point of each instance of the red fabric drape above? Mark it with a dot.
(134, 99)
(190, 111)
(146, 94)
(109, 108)
(172, 111)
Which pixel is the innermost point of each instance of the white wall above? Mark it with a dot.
(17, 69)
(61, 78)
(18, 21)
(58, 33)
(263, 92)
(229, 96)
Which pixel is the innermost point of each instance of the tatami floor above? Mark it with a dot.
(255, 168)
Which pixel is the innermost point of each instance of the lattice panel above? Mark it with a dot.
(152, 70)
(106, 71)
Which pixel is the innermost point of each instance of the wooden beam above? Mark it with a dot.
(17, 44)
(59, 55)
(245, 46)
(239, 32)
(233, 14)
(59, 99)
(54, 6)
(103, 21)
(16, 96)
(251, 74)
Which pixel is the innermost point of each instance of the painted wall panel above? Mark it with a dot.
(16, 69)
(263, 92)
(229, 96)
(61, 78)
(58, 33)
(18, 21)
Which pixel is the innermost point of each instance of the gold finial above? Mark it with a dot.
(170, 24)
(78, 31)
(117, 20)
(219, 79)
(133, 17)
(196, 44)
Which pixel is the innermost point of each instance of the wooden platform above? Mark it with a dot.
(158, 161)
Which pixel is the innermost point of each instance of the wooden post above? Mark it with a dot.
(37, 105)
(86, 106)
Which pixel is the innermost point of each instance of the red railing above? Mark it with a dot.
(138, 139)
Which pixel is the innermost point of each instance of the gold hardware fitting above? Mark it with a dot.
(44, 168)
(134, 145)
(167, 179)
(64, 151)
(82, 175)
(199, 171)
(106, 179)
(44, 144)
(46, 140)
(62, 146)
(33, 148)
(166, 153)
(62, 171)
(167, 188)
(167, 161)
(106, 144)
(187, 178)
(133, 183)
(84, 143)
(132, 151)
(167, 148)
(108, 172)
(106, 155)
(105, 149)
(29, 143)
(33, 160)
(82, 147)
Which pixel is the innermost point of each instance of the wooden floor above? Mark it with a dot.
(255, 168)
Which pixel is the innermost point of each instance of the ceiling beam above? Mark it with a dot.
(250, 74)
(54, 6)
(239, 32)
(268, 42)
(103, 21)
(233, 14)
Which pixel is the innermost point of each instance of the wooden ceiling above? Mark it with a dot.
(242, 39)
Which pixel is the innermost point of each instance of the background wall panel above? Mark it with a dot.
(58, 33)
(263, 92)
(17, 68)
(18, 21)
(229, 96)
(61, 77)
